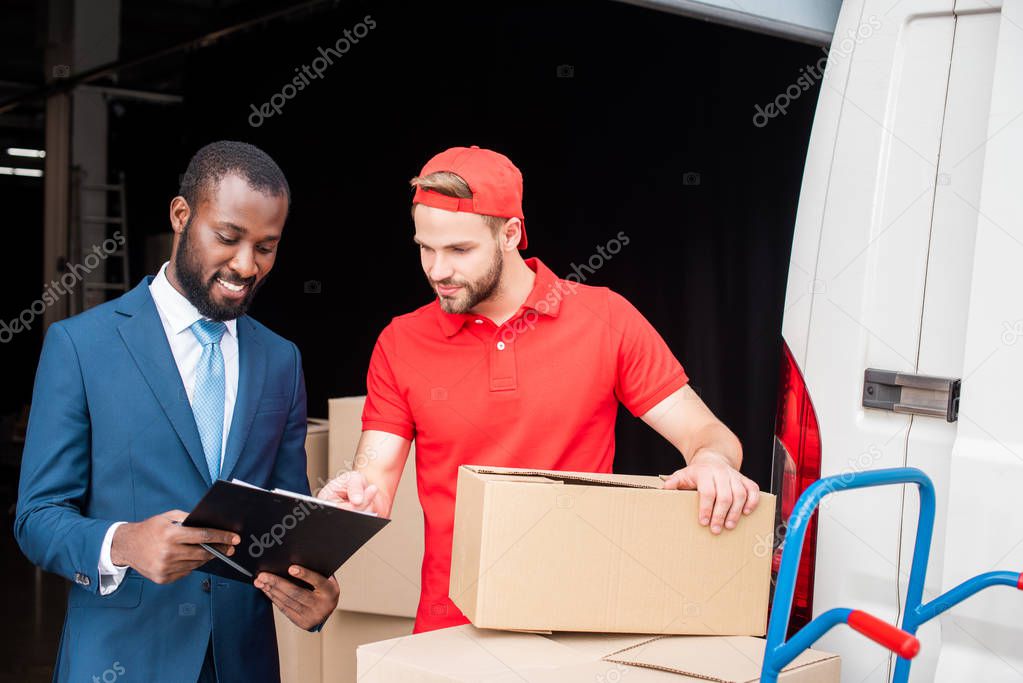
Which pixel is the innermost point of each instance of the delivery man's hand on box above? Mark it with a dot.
(716, 455)
(725, 494)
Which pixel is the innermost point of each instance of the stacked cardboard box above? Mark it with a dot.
(317, 454)
(384, 576)
(572, 551)
(379, 584)
(300, 651)
(605, 556)
(465, 654)
(598, 555)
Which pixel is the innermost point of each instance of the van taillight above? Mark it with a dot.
(797, 464)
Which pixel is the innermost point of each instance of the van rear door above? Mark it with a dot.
(951, 267)
(857, 286)
(982, 194)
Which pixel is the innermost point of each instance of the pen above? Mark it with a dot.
(220, 556)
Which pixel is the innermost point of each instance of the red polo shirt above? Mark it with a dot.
(540, 391)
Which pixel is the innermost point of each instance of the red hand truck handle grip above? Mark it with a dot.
(1019, 582)
(883, 633)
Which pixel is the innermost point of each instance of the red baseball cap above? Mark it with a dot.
(495, 182)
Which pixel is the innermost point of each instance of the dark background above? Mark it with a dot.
(653, 97)
(651, 135)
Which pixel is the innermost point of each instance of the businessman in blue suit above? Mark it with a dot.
(139, 405)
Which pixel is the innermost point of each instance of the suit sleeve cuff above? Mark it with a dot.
(110, 574)
(319, 626)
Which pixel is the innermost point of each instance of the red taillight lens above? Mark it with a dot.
(797, 464)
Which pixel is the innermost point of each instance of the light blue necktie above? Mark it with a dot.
(208, 396)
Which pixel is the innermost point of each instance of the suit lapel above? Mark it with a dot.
(251, 376)
(146, 340)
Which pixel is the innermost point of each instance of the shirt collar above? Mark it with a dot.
(545, 298)
(178, 310)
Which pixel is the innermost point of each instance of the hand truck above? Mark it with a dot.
(903, 642)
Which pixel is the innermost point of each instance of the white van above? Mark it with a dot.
(908, 258)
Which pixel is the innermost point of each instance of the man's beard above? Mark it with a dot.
(189, 274)
(472, 292)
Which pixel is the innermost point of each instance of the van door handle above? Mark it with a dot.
(903, 392)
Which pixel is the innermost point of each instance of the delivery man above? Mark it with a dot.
(512, 366)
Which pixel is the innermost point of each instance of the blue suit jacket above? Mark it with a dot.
(111, 437)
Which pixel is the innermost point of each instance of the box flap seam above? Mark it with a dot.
(670, 670)
(550, 474)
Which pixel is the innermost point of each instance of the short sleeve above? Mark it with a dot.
(386, 407)
(648, 371)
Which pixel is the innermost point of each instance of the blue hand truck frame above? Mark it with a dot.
(780, 651)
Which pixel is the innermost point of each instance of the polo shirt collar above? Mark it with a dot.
(178, 310)
(545, 282)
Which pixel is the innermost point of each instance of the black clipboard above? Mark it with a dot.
(278, 529)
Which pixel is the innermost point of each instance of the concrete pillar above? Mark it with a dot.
(96, 42)
(56, 183)
(82, 34)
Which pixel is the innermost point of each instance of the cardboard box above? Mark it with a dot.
(565, 551)
(300, 650)
(316, 441)
(368, 581)
(464, 654)
(343, 633)
(383, 577)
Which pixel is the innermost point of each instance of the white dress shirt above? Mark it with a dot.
(177, 315)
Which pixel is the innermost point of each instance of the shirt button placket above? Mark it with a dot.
(503, 376)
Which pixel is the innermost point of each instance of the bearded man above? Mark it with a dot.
(513, 366)
(139, 405)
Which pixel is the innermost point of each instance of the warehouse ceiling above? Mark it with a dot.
(22, 45)
(150, 30)
(146, 28)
